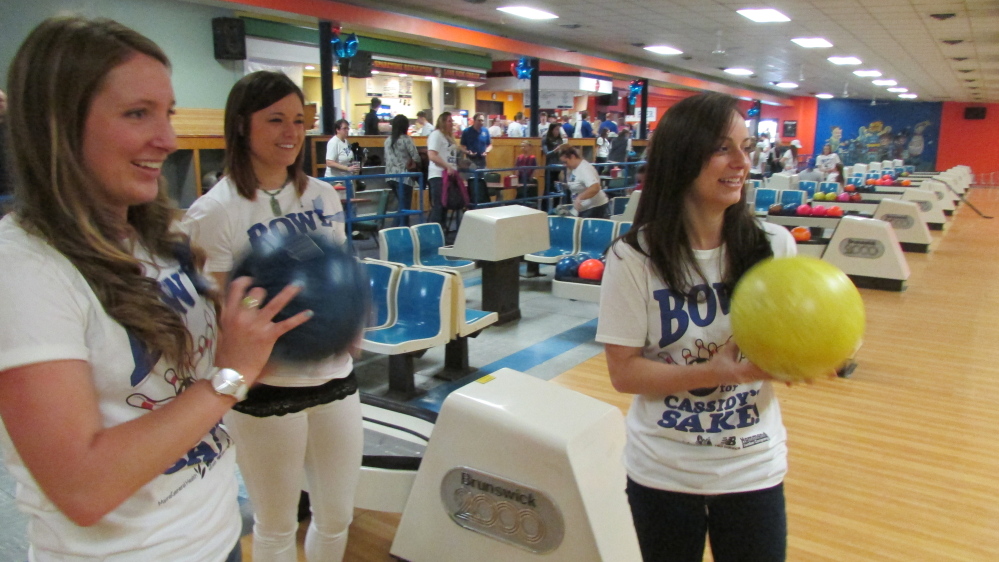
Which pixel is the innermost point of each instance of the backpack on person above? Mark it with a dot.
(454, 192)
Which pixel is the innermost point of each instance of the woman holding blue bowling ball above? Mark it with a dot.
(706, 452)
(113, 377)
(302, 423)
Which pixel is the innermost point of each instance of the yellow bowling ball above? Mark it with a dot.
(797, 318)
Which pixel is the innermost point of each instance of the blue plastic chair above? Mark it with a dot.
(764, 198)
(423, 315)
(808, 187)
(563, 234)
(595, 236)
(829, 187)
(397, 245)
(618, 205)
(429, 239)
(384, 277)
(794, 197)
(623, 227)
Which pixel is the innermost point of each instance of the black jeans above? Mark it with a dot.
(436, 207)
(743, 527)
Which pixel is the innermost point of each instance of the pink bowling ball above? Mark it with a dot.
(818, 211)
(804, 210)
(843, 197)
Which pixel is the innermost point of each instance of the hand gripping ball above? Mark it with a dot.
(334, 287)
(797, 318)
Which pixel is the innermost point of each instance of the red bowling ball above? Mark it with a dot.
(591, 269)
(834, 211)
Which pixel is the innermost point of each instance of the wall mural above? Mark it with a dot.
(889, 130)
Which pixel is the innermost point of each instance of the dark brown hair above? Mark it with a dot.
(683, 142)
(54, 77)
(253, 92)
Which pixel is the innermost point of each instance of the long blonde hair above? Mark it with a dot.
(442, 124)
(53, 80)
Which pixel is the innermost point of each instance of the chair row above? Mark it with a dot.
(414, 309)
(572, 235)
(418, 245)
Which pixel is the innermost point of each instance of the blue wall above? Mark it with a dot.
(860, 132)
(182, 29)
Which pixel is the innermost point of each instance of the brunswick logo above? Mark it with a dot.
(502, 509)
(862, 248)
(898, 222)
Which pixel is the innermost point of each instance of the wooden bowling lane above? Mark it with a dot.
(898, 461)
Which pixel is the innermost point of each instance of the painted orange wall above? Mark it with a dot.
(969, 142)
(510, 106)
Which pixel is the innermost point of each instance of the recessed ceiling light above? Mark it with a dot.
(898, 90)
(765, 15)
(812, 42)
(824, 96)
(867, 73)
(739, 71)
(786, 85)
(335, 69)
(663, 50)
(309, 67)
(844, 60)
(908, 96)
(470, 85)
(529, 13)
(884, 82)
(403, 75)
(451, 80)
(374, 72)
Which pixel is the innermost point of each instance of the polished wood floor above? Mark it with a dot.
(900, 462)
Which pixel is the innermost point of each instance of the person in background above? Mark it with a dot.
(401, 156)
(603, 145)
(115, 367)
(339, 157)
(302, 423)
(609, 124)
(620, 146)
(584, 130)
(810, 173)
(550, 147)
(789, 159)
(6, 173)
(524, 176)
(669, 343)
(423, 125)
(516, 128)
(443, 155)
(757, 162)
(826, 162)
(583, 183)
(477, 142)
(568, 130)
(838, 175)
(497, 129)
(371, 117)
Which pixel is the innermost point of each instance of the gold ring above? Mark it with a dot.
(250, 302)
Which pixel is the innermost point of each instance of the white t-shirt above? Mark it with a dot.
(515, 129)
(425, 131)
(50, 313)
(583, 177)
(703, 441)
(226, 225)
(448, 151)
(338, 151)
(826, 163)
(603, 147)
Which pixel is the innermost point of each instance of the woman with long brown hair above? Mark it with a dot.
(303, 421)
(113, 374)
(706, 451)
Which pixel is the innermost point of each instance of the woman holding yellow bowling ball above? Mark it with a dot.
(706, 452)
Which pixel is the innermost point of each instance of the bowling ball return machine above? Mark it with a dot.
(513, 468)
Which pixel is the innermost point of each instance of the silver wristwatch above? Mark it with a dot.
(228, 382)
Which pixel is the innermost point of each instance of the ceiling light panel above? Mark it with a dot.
(764, 15)
(812, 42)
(528, 13)
(844, 60)
(663, 50)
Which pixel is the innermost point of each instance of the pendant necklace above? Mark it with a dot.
(275, 206)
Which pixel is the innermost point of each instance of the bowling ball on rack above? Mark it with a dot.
(834, 212)
(850, 187)
(843, 197)
(790, 211)
(906, 183)
(804, 210)
(797, 318)
(870, 181)
(801, 234)
(856, 198)
(775, 209)
(568, 267)
(818, 211)
(334, 287)
(591, 269)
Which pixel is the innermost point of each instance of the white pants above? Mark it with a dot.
(322, 445)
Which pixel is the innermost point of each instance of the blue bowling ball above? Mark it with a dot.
(568, 267)
(334, 286)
